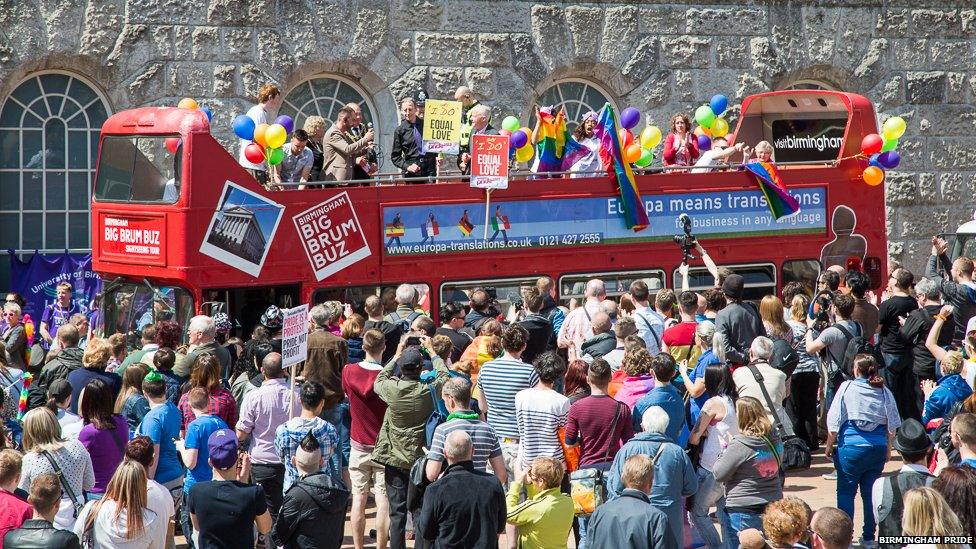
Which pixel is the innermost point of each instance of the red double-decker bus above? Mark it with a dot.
(177, 234)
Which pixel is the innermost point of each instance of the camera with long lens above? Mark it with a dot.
(821, 310)
(687, 240)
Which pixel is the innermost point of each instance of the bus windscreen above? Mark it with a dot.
(138, 169)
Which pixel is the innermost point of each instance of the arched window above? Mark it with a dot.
(49, 130)
(324, 96)
(808, 84)
(577, 96)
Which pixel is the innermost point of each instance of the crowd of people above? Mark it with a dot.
(653, 420)
(343, 150)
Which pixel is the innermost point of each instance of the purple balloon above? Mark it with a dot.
(286, 122)
(704, 143)
(518, 139)
(889, 159)
(630, 117)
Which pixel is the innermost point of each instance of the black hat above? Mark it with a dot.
(733, 285)
(911, 438)
(410, 359)
(420, 96)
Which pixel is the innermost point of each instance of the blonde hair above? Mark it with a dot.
(41, 431)
(798, 307)
(443, 346)
(771, 312)
(752, 417)
(131, 384)
(638, 471)
(765, 146)
(97, 354)
(637, 362)
(313, 124)
(128, 490)
(928, 514)
(353, 326)
(952, 363)
(547, 470)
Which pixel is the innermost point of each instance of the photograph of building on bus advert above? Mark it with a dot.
(242, 229)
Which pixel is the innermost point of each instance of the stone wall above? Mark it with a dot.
(913, 61)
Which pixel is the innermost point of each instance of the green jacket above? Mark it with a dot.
(402, 436)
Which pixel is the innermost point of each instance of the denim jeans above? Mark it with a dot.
(184, 518)
(338, 417)
(583, 521)
(857, 468)
(709, 493)
(738, 522)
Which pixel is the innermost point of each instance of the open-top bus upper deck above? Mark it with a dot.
(196, 224)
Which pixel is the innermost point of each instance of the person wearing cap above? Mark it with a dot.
(584, 134)
(262, 412)
(913, 444)
(59, 400)
(224, 510)
(407, 150)
(402, 435)
(739, 322)
(694, 379)
(313, 513)
(201, 334)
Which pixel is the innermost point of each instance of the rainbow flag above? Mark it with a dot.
(554, 143)
(611, 155)
(781, 204)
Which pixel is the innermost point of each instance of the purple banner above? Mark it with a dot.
(37, 280)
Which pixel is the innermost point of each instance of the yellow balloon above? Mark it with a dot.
(260, 132)
(873, 175)
(275, 136)
(894, 127)
(650, 137)
(524, 154)
(188, 103)
(720, 127)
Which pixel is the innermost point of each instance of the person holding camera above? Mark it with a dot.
(833, 339)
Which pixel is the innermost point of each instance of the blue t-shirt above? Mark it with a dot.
(668, 398)
(197, 434)
(851, 435)
(704, 361)
(162, 425)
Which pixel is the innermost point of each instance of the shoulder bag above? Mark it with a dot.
(77, 504)
(796, 453)
(588, 485)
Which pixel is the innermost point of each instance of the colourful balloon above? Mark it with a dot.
(626, 138)
(699, 130)
(650, 137)
(873, 161)
(632, 153)
(720, 127)
(286, 122)
(893, 127)
(275, 136)
(188, 103)
(275, 156)
(889, 160)
(871, 144)
(254, 153)
(244, 127)
(718, 104)
(873, 175)
(504, 132)
(259, 134)
(630, 117)
(511, 123)
(704, 116)
(889, 145)
(173, 144)
(518, 139)
(524, 154)
(704, 143)
(647, 156)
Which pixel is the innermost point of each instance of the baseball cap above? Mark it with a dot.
(733, 286)
(410, 359)
(971, 326)
(222, 449)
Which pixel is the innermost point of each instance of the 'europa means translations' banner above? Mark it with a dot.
(489, 161)
(589, 221)
(442, 126)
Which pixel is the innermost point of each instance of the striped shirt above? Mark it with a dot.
(500, 380)
(483, 438)
(539, 413)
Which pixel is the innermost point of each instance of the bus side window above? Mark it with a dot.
(760, 280)
(804, 271)
(573, 286)
(507, 292)
(356, 296)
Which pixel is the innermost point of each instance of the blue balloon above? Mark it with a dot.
(207, 111)
(704, 143)
(874, 161)
(718, 104)
(889, 160)
(244, 127)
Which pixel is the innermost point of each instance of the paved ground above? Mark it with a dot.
(808, 485)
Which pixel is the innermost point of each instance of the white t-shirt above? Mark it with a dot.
(708, 158)
(159, 500)
(259, 116)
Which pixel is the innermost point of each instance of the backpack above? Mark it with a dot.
(403, 323)
(435, 418)
(785, 357)
(857, 345)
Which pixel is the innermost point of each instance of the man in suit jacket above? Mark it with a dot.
(340, 152)
(479, 115)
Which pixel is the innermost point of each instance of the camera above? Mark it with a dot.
(821, 310)
(413, 341)
(687, 240)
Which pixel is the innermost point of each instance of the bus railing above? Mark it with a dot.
(396, 178)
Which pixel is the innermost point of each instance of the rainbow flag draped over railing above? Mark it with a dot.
(554, 142)
(611, 154)
(781, 204)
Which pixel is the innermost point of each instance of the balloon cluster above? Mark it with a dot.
(266, 139)
(710, 121)
(637, 151)
(190, 104)
(880, 150)
(520, 138)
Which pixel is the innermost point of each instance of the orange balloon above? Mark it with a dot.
(632, 153)
(259, 131)
(873, 175)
